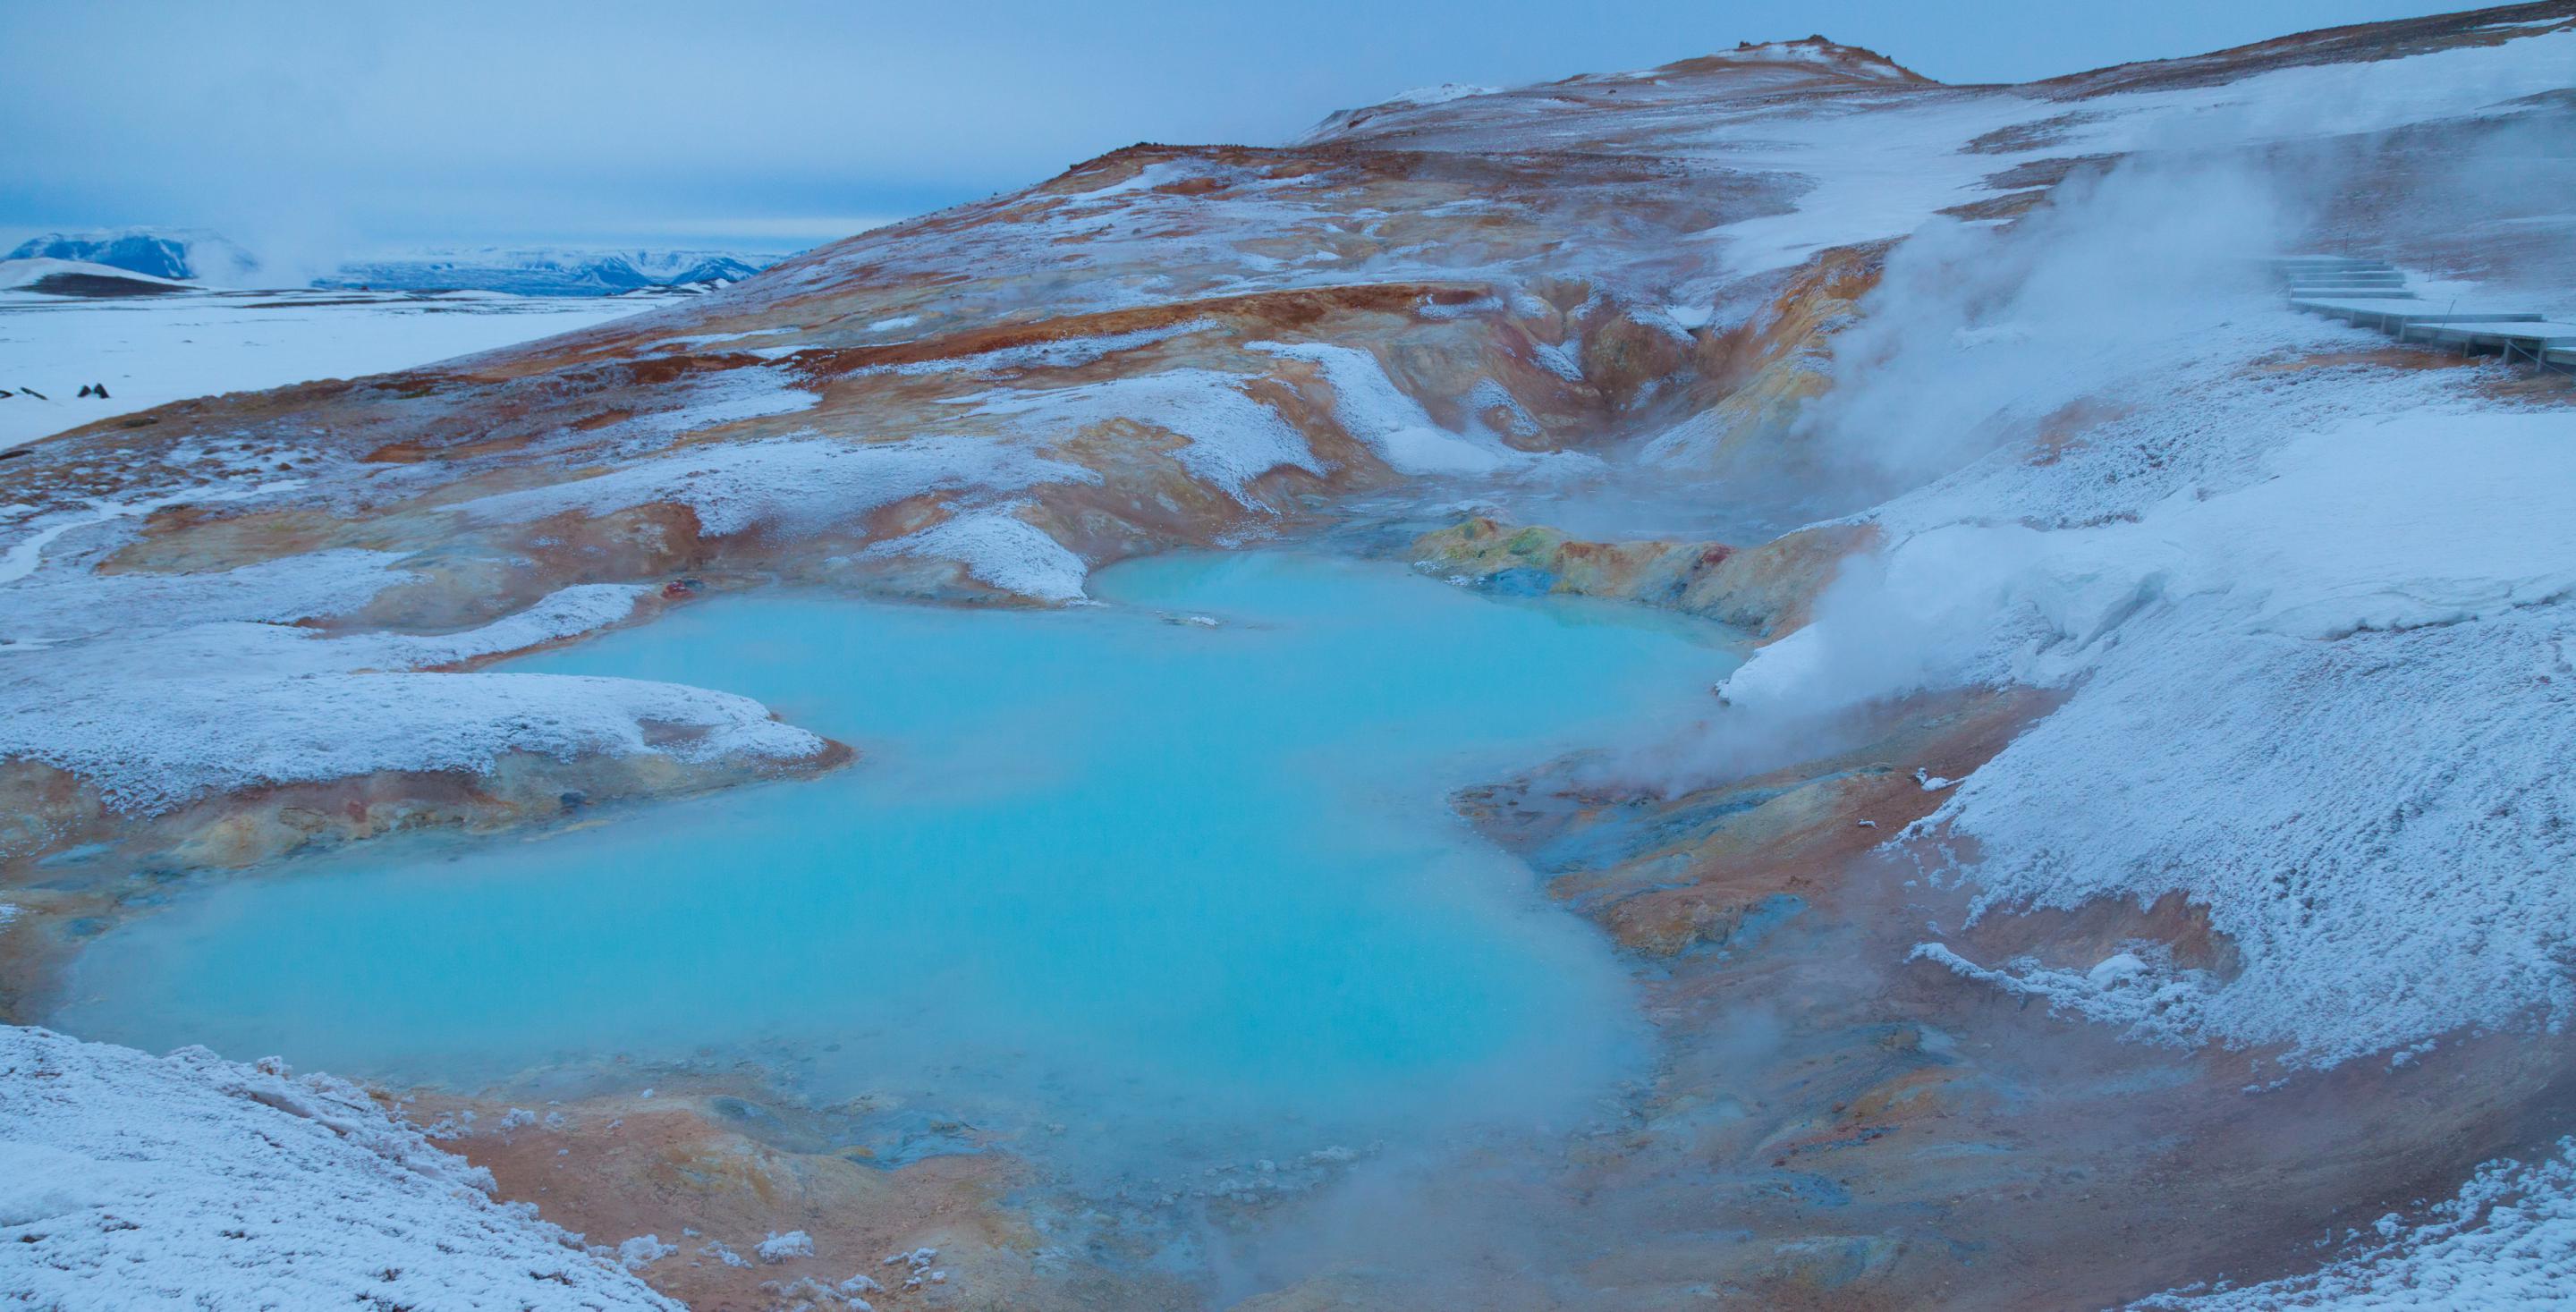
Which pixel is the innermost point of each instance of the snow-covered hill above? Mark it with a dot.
(46, 276)
(173, 254)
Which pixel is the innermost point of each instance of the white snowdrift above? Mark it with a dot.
(187, 1181)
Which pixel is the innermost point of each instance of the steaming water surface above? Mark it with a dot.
(1093, 867)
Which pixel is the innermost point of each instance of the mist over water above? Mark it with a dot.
(1170, 887)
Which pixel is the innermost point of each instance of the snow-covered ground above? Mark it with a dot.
(153, 350)
(187, 1181)
(2314, 620)
(273, 703)
(1879, 175)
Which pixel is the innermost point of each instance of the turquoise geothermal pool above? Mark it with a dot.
(1107, 868)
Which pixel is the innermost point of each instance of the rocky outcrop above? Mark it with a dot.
(1766, 588)
(1759, 374)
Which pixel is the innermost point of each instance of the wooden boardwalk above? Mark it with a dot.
(2374, 294)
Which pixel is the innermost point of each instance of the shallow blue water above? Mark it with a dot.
(1093, 867)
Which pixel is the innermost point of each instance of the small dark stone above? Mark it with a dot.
(573, 799)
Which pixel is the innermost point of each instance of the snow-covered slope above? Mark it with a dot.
(1880, 151)
(129, 1181)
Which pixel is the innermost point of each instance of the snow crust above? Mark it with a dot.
(2329, 702)
(2380, 822)
(1232, 438)
(1383, 418)
(786, 483)
(726, 398)
(1064, 353)
(57, 606)
(187, 1181)
(158, 718)
(1003, 550)
(25, 554)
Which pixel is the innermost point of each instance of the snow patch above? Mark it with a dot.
(643, 1251)
(1062, 353)
(788, 483)
(780, 1248)
(1003, 550)
(1372, 409)
(1441, 94)
(1233, 439)
(28, 552)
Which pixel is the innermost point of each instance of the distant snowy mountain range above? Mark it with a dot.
(178, 254)
(198, 256)
(545, 272)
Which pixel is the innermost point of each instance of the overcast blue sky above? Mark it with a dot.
(336, 128)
